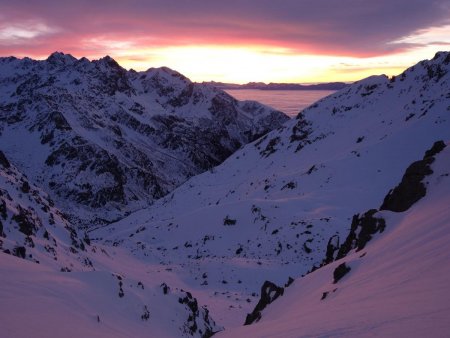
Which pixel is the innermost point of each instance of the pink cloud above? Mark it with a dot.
(345, 27)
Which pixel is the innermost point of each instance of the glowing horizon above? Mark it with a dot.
(294, 42)
(242, 65)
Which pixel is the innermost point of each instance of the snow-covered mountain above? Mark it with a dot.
(103, 141)
(274, 209)
(268, 212)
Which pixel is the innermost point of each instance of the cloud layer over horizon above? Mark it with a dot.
(346, 28)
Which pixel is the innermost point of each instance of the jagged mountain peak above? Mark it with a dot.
(117, 139)
(166, 70)
(441, 57)
(109, 63)
(61, 58)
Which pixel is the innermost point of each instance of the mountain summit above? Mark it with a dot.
(104, 141)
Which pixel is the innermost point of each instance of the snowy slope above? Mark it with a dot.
(269, 210)
(40, 302)
(31, 227)
(60, 284)
(103, 141)
(397, 286)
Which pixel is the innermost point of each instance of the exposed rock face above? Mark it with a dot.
(362, 229)
(332, 247)
(340, 272)
(107, 138)
(269, 292)
(4, 161)
(411, 188)
(199, 322)
(409, 191)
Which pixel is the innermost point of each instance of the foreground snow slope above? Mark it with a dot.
(55, 283)
(103, 141)
(398, 285)
(269, 210)
(40, 302)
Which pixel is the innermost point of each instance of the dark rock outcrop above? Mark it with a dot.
(332, 247)
(340, 272)
(4, 161)
(362, 229)
(269, 292)
(199, 320)
(411, 188)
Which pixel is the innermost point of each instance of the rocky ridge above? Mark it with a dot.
(104, 141)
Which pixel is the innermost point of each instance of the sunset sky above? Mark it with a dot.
(235, 40)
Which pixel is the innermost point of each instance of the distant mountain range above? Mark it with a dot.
(279, 86)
